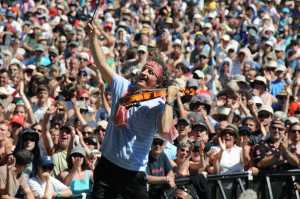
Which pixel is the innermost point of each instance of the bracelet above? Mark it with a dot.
(169, 103)
(58, 194)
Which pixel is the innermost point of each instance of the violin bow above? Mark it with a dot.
(100, 2)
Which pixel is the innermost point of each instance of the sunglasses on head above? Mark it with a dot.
(157, 142)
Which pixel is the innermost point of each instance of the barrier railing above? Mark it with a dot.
(242, 181)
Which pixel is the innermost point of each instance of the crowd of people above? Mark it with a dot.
(227, 74)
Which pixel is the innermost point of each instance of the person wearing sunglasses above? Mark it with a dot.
(43, 185)
(159, 170)
(13, 182)
(29, 140)
(274, 154)
(78, 178)
(294, 137)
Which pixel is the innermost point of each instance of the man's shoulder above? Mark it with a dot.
(59, 154)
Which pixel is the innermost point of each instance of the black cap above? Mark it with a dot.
(183, 120)
(244, 130)
(199, 125)
(30, 133)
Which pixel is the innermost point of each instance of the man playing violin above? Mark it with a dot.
(127, 142)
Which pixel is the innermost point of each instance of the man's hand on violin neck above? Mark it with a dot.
(172, 92)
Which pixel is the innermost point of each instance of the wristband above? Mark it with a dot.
(169, 103)
(58, 194)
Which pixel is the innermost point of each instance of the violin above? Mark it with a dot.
(144, 95)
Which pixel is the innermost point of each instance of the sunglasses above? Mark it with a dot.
(47, 168)
(295, 131)
(87, 132)
(277, 128)
(101, 129)
(82, 59)
(185, 150)
(264, 115)
(77, 155)
(15, 126)
(83, 98)
(32, 139)
(157, 142)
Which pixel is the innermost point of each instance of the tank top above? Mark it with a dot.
(83, 185)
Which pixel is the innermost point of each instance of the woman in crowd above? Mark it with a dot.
(43, 185)
(29, 140)
(78, 179)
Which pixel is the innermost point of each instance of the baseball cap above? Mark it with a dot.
(142, 48)
(266, 108)
(183, 120)
(177, 42)
(271, 64)
(78, 150)
(102, 123)
(31, 134)
(231, 128)
(281, 68)
(17, 119)
(192, 83)
(199, 126)
(261, 79)
(244, 130)
(46, 161)
(198, 74)
(39, 47)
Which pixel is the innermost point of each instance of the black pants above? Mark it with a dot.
(112, 182)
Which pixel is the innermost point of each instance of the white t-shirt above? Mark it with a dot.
(231, 160)
(38, 187)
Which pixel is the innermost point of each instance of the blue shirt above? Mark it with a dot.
(128, 146)
(277, 86)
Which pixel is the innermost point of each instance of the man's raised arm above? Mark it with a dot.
(98, 55)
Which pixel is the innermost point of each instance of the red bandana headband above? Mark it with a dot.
(156, 67)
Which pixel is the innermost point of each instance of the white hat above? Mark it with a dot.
(197, 16)
(266, 108)
(257, 100)
(142, 48)
(31, 66)
(177, 42)
(212, 14)
(271, 64)
(207, 25)
(270, 43)
(84, 55)
(103, 124)
(281, 68)
(199, 74)
(226, 37)
(261, 79)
